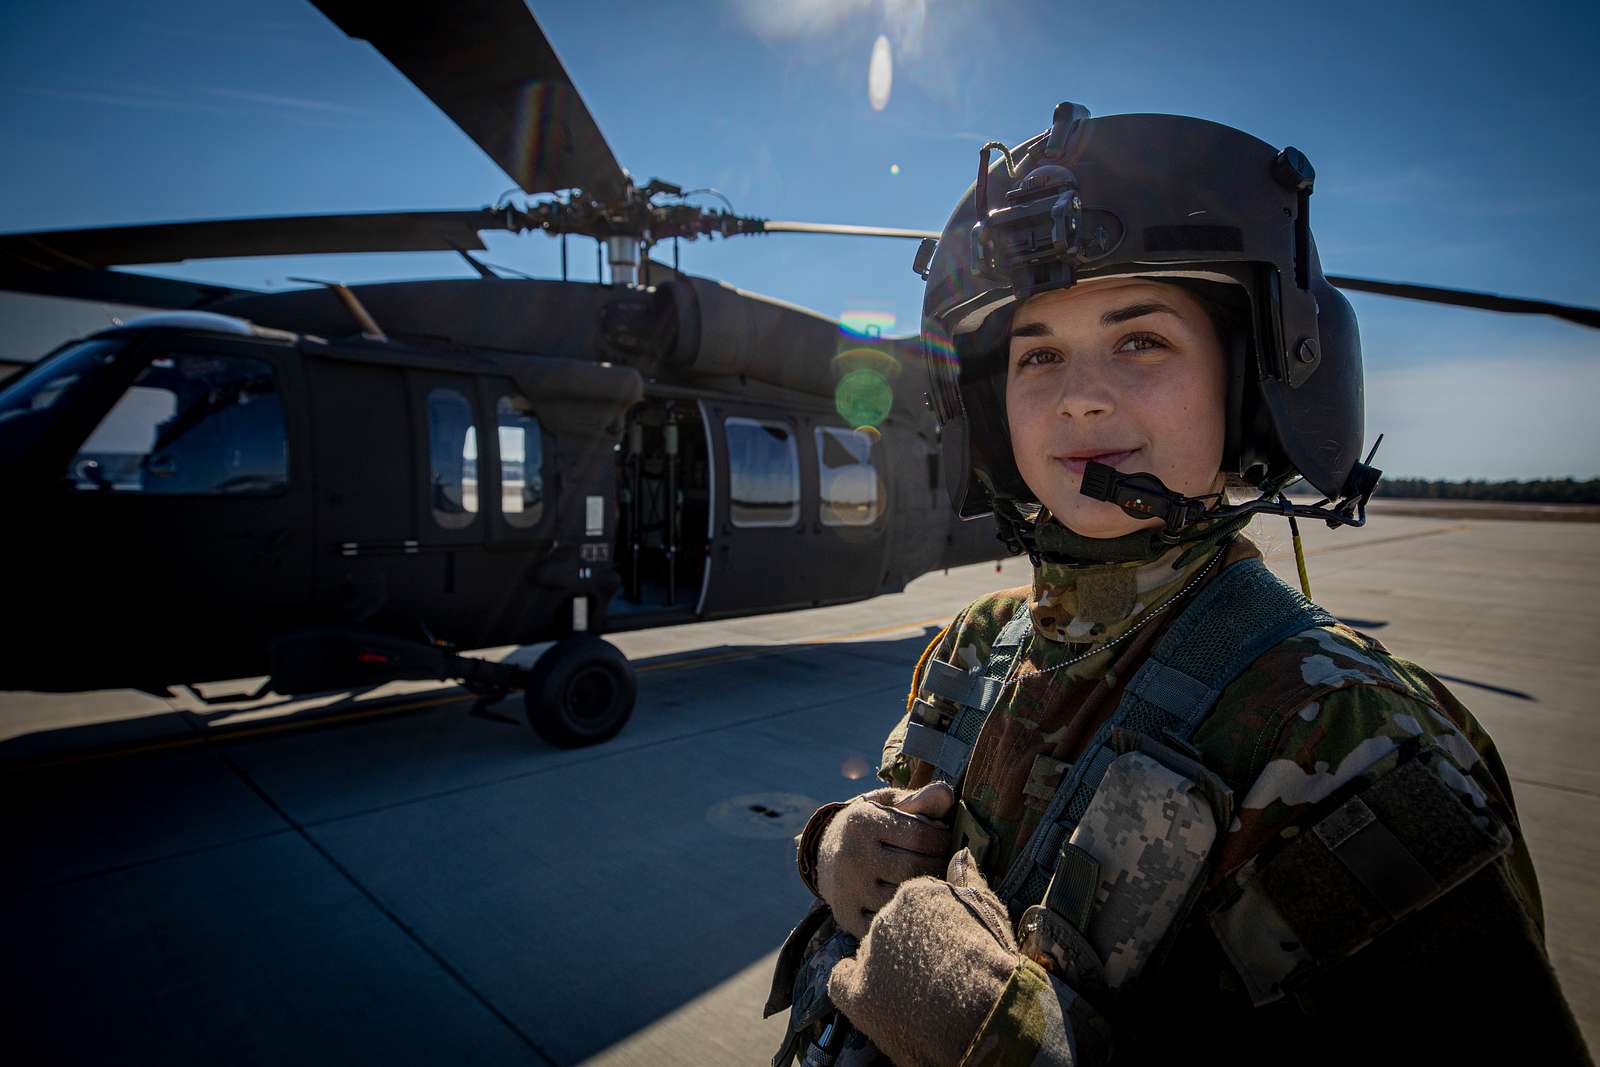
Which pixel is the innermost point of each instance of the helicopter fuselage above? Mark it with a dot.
(205, 493)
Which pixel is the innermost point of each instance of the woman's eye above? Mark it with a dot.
(1039, 355)
(1141, 342)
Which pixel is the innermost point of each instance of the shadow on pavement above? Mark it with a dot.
(429, 886)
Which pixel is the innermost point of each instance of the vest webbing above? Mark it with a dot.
(948, 750)
(1241, 614)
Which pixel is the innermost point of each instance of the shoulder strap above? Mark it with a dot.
(976, 692)
(1240, 614)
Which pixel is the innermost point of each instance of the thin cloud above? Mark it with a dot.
(143, 102)
(805, 18)
(293, 103)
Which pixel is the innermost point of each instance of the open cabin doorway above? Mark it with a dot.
(664, 495)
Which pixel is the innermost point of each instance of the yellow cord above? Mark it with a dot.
(1300, 563)
(1299, 551)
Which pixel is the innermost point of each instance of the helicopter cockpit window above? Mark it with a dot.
(849, 481)
(453, 459)
(190, 424)
(40, 388)
(521, 463)
(763, 473)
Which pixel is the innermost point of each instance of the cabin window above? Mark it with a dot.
(763, 473)
(848, 480)
(521, 462)
(190, 424)
(452, 459)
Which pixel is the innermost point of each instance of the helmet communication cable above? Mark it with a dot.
(1299, 551)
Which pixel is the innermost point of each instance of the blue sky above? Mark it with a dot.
(1453, 144)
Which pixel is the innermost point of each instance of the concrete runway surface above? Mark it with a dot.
(425, 886)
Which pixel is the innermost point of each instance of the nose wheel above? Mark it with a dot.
(580, 692)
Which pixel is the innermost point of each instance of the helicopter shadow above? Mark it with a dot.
(424, 865)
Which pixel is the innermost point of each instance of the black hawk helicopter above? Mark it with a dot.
(337, 487)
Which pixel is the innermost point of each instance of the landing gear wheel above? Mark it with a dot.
(580, 692)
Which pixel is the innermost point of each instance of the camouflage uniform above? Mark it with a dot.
(1310, 716)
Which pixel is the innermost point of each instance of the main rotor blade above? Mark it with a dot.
(119, 287)
(410, 231)
(771, 226)
(489, 67)
(1465, 298)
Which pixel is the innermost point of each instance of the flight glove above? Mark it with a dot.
(931, 968)
(873, 843)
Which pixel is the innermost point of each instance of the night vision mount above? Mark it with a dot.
(1034, 241)
(1143, 496)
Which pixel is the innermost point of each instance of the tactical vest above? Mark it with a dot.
(1240, 615)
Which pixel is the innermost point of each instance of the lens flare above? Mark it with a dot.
(876, 360)
(880, 74)
(863, 397)
(543, 131)
(866, 322)
(939, 348)
(894, 168)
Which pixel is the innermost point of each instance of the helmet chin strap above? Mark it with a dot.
(1184, 518)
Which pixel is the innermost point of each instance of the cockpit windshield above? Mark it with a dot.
(51, 386)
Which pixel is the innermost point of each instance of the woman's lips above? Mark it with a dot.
(1076, 464)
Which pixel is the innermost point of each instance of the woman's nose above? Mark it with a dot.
(1084, 390)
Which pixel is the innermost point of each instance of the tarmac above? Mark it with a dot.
(388, 879)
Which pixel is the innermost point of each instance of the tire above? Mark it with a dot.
(580, 692)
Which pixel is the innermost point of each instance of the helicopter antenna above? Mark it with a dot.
(481, 270)
(352, 303)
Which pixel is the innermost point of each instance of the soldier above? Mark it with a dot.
(1158, 807)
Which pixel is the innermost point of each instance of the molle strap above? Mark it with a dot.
(946, 680)
(1240, 614)
(1071, 892)
(975, 692)
(1171, 690)
(947, 753)
(962, 735)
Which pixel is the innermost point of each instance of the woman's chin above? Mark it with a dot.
(1097, 519)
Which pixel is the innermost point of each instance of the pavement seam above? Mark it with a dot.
(1573, 789)
(389, 913)
(133, 865)
(1280, 555)
(612, 754)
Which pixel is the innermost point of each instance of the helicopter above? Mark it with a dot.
(340, 486)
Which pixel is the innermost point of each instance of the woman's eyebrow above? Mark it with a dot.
(1134, 311)
(1113, 317)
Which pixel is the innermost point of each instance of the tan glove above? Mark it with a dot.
(877, 841)
(931, 968)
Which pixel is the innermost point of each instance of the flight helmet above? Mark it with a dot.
(1177, 199)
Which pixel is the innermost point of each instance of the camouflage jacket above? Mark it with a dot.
(1310, 716)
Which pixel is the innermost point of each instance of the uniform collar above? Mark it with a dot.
(1091, 603)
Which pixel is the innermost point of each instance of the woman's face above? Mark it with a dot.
(1125, 371)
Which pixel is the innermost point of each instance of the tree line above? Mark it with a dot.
(1536, 491)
